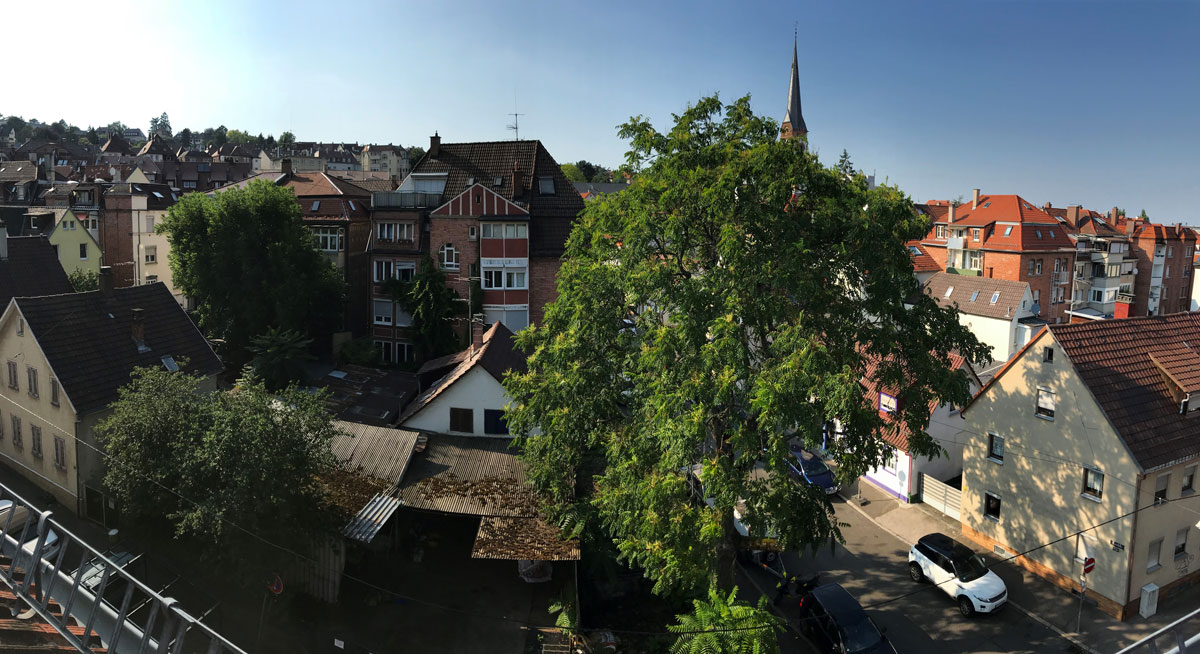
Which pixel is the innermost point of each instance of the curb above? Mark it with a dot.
(1069, 637)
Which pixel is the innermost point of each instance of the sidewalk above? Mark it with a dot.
(1028, 593)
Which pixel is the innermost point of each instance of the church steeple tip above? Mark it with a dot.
(793, 123)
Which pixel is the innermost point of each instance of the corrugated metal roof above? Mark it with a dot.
(522, 539)
(366, 525)
(378, 452)
(468, 475)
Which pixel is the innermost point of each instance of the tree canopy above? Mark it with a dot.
(213, 464)
(286, 139)
(433, 306)
(573, 174)
(161, 124)
(720, 310)
(722, 625)
(250, 264)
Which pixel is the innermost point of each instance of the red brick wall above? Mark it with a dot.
(1143, 249)
(938, 254)
(358, 278)
(116, 244)
(454, 230)
(543, 286)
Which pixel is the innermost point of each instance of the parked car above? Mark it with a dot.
(811, 468)
(835, 622)
(959, 571)
(20, 515)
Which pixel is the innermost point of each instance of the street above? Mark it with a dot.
(873, 566)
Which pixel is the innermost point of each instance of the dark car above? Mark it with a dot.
(811, 468)
(835, 622)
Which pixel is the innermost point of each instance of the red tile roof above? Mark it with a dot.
(896, 432)
(922, 262)
(1123, 362)
(1029, 228)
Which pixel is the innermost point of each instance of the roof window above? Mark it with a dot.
(1008, 230)
(352, 207)
(546, 185)
(169, 363)
(315, 205)
(1039, 233)
(995, 296)
(498, 181)
(949, 290)
(974, 295)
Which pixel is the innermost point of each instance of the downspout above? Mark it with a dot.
(1132, 543)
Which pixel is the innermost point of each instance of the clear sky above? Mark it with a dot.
(1085, 101)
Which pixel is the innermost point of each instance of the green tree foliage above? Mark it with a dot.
(573, 174)
(287, 139)
(588, 169)
(116, 127)
(360, 352)
(161, 124)
(433, 306)
(844, 165)
(415, 152)
(250, 264)
(731, 295)
(1143, 215)
(239, 137)
(206, 462)
(185, 138)
(279, 356)
(84, 280)
(723, 625)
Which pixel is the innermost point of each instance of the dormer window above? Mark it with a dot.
(546, 185)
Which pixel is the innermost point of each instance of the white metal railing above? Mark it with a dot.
(141, 621)
(1174, 635)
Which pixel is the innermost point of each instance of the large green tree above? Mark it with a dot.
(433, 305)
(573, 174)
(726, 303)
(250, 264)
(215, 464)
(723, 625)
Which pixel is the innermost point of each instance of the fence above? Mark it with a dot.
(940, 496)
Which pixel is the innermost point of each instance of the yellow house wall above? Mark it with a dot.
(54, 421)
(67, 241)
(1040, 480)
(146, 240)
(1182, 511)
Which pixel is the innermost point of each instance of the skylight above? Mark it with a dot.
(352, 208)
(157, 194)
(1052, 233)
(497, 181)
(1039, 233)
(987, 204)
(546, 185)
(169, 363)
(914, 249)
(974, 295)
(995, 296)
(949, 290)
(1008, 230)
(315, 205)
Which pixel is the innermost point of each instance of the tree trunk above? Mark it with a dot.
(727, 551)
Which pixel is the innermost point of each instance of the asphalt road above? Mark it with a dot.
(873, 566)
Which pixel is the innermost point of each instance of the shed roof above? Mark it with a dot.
(468, 475)
(973, 294)
(522, 539)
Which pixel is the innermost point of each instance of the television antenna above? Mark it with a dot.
(516, 126)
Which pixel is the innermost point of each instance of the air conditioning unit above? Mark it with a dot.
(1149, 605)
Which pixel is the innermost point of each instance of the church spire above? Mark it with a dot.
(793, 122)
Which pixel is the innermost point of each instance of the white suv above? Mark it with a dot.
(958, 571)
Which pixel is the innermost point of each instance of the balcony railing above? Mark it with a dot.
(1060, 278)
(1127, 298)
(404, 200)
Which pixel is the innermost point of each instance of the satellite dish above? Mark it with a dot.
(1036, 309)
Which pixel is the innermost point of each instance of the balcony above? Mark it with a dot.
(404, 200)
(1127, 298)
(964, 271)
(955, 243)
(1060, 278)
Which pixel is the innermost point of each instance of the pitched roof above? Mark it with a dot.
(32, 268)
(157, 145)
(973, 294)
(378, 452)
(896, 432)
(922, 261)
(794, 115)
(18, 171)
(1027, 228)
(88, 339)
(116, 144)
(497, 356)
(471, 475)
(1123, 362)
(308, 184)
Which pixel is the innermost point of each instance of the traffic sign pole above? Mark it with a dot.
(1089, 564)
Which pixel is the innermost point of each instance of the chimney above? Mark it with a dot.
(138, 321)
(975, 199)
(951, 215)
(3, 242)
(106, 281)
(1115, 212)
(1073, 215)
(286, 166)
(435, 146)
(518, 181)
(476, 334)
(1046, 207)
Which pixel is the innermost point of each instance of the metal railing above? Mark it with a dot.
(404, 200)
(1174, 638)
(141, 620)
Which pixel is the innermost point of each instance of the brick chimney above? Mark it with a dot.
(1046, 207)
(950, 217)
(518, 180)
(286, 166)
(476, 334)
(1115, 212)
(1073, 215)
(435, 146)
(106, 281)
(975, 199)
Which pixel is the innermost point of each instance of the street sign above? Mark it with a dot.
(1089, 564)
(276, 585)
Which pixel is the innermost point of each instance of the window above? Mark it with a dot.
(35, 441)
(995, 448)
(20, 326)
(385, 351)
(53, 391)
(1031, 262)
(497, 181)
(386, 231)
(1093, 483)
(404, 351)
(975, 295)
(514, 280)
(384, 270)
(16, 435)
(1045, 403)
(405, 271)
(546, 185)
(151, 279)
(892, 462)
(151, 254)
(1037, 268)
(493, 279)
(1082, 550)
(1189, 480)
(1008, 230)
(493, 422)
(315, 205)
(516, 231)
(449, 257)
(189, 184)
(462, 420)
(1160, 488)
(974, 259)
(1153, 554)
(83, 250)
(383, 312)
(939, 231)
(12, 375)
(1048, 354)
(1037, 295)
(887, 403)
(949, 290)
(60, 453)
(472, 232)
(148, 222)
(975, 233)
(1181, 542)
(991, 506)
(1038, 232)
(1097, 296)
(995, 297)
(31, 373)
(1170, 250)
(492, 231)
(329, 239)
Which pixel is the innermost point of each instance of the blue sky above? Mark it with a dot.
(1086, 101)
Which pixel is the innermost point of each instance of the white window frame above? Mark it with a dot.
(939, 231)
(999, 505)
(329, 239)
(1045, 406)
(383, 270)
(448, 255)
(1093, 483)
(492, 278)
(887, 403)
(151, 254)
(515, 280)
(993, 440)
(1154, 555)
(381, 318)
